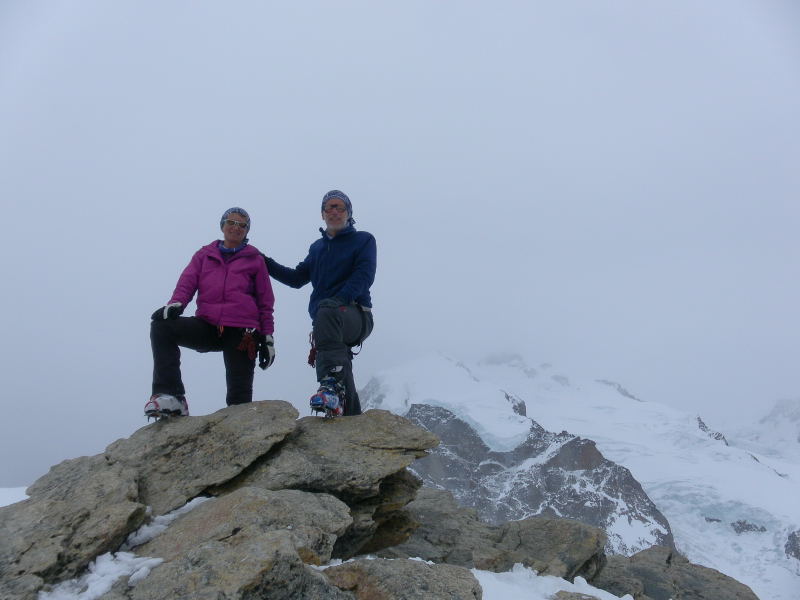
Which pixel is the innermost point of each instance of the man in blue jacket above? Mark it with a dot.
(341, 268)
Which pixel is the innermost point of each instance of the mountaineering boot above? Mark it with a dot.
(166, 405)
(329, 398)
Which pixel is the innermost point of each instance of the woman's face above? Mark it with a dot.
(232, 231)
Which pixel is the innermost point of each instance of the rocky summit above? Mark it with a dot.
(251, 502)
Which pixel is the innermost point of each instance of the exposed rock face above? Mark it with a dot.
(714, 435)
(548, 474)
(793, 545)
(454, 535)
(662, 574)
(742, 526)
(619, 388)
(517, 404)
(404, 580)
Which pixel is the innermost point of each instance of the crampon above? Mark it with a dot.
(164, 406)
(327, 399)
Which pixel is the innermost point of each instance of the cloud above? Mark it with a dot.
(609, 187)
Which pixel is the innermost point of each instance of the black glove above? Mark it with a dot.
(332, 302)
(170, 311)
(266, 352)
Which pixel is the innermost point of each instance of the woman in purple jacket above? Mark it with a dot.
(234, 316)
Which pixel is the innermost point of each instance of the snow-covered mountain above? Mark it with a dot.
(732, 505)
(776, 435)
(551, 474)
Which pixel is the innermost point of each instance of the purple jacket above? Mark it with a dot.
(232, 293)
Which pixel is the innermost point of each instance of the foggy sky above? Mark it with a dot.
(612, 187)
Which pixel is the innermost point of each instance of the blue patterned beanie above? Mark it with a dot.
(343, 197)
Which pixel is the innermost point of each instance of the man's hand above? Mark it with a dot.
(266, 352)
(333, 302)
(170, 311)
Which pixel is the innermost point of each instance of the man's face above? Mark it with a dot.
(335, 215)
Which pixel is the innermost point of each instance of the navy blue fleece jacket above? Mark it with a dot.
(342, 266)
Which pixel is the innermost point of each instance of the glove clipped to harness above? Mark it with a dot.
(266, 352)
(259, 345)
(170, 311)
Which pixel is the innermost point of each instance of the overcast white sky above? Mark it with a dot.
(610, 186)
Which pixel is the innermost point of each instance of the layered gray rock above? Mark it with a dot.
(178, 459)
(311, 521)
(451, 534)
(404, 580)
(263, 567)
(361, 460)
(662, 574)
(345, 457)
(249, 542)
(548, 474)
(82, 508)
(87, 506)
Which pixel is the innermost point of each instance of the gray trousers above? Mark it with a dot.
(336, 331)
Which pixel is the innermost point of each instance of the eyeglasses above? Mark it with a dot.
(231, 222)
(335, 207)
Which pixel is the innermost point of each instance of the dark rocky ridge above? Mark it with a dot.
(548, 474)
(792, 547)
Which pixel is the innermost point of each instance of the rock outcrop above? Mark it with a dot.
(252, 540)
(350, 474)
(741, 526)
(454, 535)
(714, 435)
(404, 580)
(266, 501)
(82, 508)
(662, 574)
(792, 546)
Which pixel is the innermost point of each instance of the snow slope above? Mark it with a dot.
(730, 508)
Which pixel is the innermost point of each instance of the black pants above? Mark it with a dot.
(167, 336)
(336, 330)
